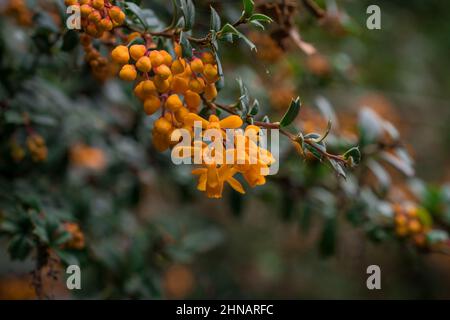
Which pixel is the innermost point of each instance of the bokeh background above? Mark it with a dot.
(150, 234)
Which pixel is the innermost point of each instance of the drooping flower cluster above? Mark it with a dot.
(176, 86)
(408, 223)
(102, 68)
(98, 16)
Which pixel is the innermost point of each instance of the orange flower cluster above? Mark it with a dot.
(101, 67)
(77, 241)
(87, 157)
(98, 16)
(37, 147)
(408, 223)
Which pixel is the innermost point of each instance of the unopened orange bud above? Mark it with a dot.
(210, 92)
(173, 102)
(197, 85)
(167, 57)
(151, 105)
(144, 64)
(98, 4)
(197, 65)
(128, 72)
(156, 58)
(210, 73)
(137, 51)
(162, 125)
(192, 100)
(120, 54)
(163, 71)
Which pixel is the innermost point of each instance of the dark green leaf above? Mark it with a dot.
(188, 10)
(70, 40)
(249, 6)
(138, 13)
(259, 17)
(291, 113)
(185, 45)
(228, 29)
(216, 23)
(353, 153)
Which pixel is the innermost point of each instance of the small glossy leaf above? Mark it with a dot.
(249, 6)
(261, 18)
(216, 23)
(291, 113)
(228, 29)
(188, 10)
(353, 153)
(185, 45)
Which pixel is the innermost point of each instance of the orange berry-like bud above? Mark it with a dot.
(180, 114)
(161, 84)
(208, 58)
(67, 2)
(137, 51)
(156, 58)
(197, 85)
(167, 57)
(98, 4)
(117, 15)
(92, 30)
(163, 71)
(120, 54)
(85, 10)
(414, 226)
(151, 105)
(138, 91)
(178, 50)
(106, 24)
(95, 16)
(162, 125)
(81, 2)
(144, 64)
(210, 92)
(197, 65)
(192, 100)
(179, 85)
(173, 102)
(85, 40)
(178, 66)
(133, 36)
(148, 87)
(210, 73)
(128, 72)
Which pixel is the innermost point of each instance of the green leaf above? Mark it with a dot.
(228, 29)
(291, 113)
(244, 99)
(261, 18)
(188, 10)
(258, 24)
(249, 6)
(70, 40)
(67, 257)
(138, 13)
(353, 153)
(216, 23)
(255, 108)
(19, 247)
(185, 45)
(221, 82)
(425, 217)
(338, 168)
(63, 238)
